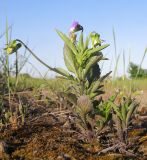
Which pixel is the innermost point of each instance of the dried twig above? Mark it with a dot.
(112, 148)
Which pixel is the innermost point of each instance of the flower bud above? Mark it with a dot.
(84, 104)
(12, 47)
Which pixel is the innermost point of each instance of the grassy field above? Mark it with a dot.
(129, 85)
(59, 84)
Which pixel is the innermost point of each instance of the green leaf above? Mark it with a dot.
(86, 44)
(123, 112)
(81, 43)
(92, 62)
(92, 95)
(132, 108)
(107, 112)
(98, 49)
(96, 84)
(113, 97)
(62, 72)
(79, 73)
(68, 42)
(69, 59)
(116, 109)
(79, 59)
(105, 76)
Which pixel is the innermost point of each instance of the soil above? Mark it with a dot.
(44, 136)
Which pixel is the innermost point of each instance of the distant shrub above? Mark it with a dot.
(25, 75)
(135, 71)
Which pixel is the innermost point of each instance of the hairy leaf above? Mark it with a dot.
(62, 72)
(98, 49)
(69, 59)
(86, 44)
(92, 95)
(105, 76)
(96, 84)
(81, 43)
(116, 109)
(91, 63)
(123, 112)
(132, 108)
(68, 42)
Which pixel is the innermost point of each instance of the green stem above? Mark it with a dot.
(36, 57)
(7, 65)
(33, 54)
(16, 68)
(82, 87)
(8, 77)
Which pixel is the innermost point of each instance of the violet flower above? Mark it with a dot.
(75, 27)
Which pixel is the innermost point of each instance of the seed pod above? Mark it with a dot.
(84, 104)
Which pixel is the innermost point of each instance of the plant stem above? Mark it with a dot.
(16, 53)
(82, 87)
(33, 54)
(7, 64)
(145, 51)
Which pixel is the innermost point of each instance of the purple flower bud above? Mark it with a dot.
(75, 27)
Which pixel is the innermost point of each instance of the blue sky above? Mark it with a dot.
(35, 21)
